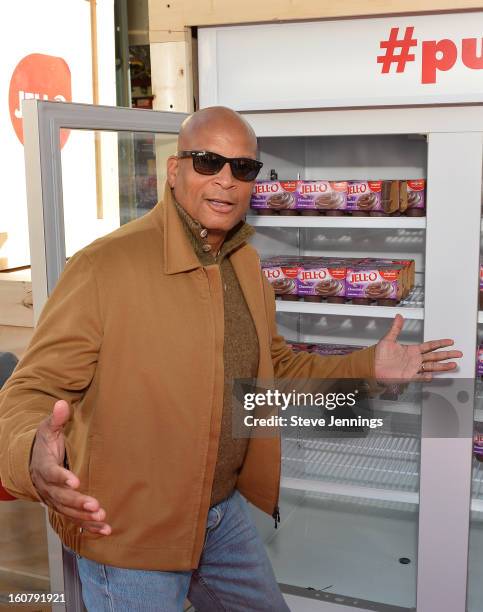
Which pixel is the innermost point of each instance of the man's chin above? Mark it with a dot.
(225, 227)
(220, 222)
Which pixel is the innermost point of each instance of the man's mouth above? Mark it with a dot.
(222, 206)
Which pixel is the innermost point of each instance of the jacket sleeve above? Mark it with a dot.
(58, 364)
(287, 364)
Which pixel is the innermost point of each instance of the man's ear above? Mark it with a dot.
(172, 170)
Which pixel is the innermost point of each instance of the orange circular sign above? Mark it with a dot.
(40, 77)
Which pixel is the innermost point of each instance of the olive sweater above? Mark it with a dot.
(240, 350)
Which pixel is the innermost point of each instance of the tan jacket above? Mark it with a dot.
(132, 338)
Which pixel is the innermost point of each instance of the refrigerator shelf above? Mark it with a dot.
(382, 468)
(343, 490)
(338, 222)
(379, 467)
(410, 308)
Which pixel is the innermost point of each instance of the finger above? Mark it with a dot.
(75, 500)
(58, 475)
(396, 328)
(93, 527)
(441, 367)
(59, 417)
(432, 345)
(93, 517)
(442, 355)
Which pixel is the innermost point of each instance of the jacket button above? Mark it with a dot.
(206, 248)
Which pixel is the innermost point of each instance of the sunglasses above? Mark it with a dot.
(206, 162)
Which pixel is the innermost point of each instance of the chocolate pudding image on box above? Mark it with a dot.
(384, 284)
(379, 291)
(416, 198)
(403, 267)
(355, 285)
(282, 286)
(363, 197)
(322, 197)
(330, 203)
(284, 203)
(282, 274)
(328, 287)
(274, 197)
(318, 280)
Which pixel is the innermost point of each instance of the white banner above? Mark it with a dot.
(360, 62)
(46, 54)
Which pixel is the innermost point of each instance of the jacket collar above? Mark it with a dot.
(179, 254)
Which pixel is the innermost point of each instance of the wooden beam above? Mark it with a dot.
(172, 74)
(168, 18)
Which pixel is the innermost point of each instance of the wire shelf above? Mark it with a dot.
(382, 462)
(381, 470)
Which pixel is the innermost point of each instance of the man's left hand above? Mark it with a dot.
(401, 362)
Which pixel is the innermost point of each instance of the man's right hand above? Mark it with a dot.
(55, 484)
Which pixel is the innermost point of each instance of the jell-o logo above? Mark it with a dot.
(363, 277)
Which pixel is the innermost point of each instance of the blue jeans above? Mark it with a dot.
(234, 574)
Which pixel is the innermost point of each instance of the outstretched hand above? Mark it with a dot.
(395, 361)
(57, 485)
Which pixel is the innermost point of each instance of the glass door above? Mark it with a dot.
(89, 170)
(349, 503)
(475, 564)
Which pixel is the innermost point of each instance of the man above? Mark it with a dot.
(119, 415)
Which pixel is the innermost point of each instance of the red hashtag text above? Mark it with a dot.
(393, 43)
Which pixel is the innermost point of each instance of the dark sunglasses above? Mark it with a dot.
(206, 162)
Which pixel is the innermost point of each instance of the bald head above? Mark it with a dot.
(214, 120)
(220, 200)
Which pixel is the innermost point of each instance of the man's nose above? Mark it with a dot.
(225, 178)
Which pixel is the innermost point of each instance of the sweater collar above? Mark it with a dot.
(179, 251)
(198, 237)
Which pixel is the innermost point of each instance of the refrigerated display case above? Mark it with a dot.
(374, 523)
(370, 520)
